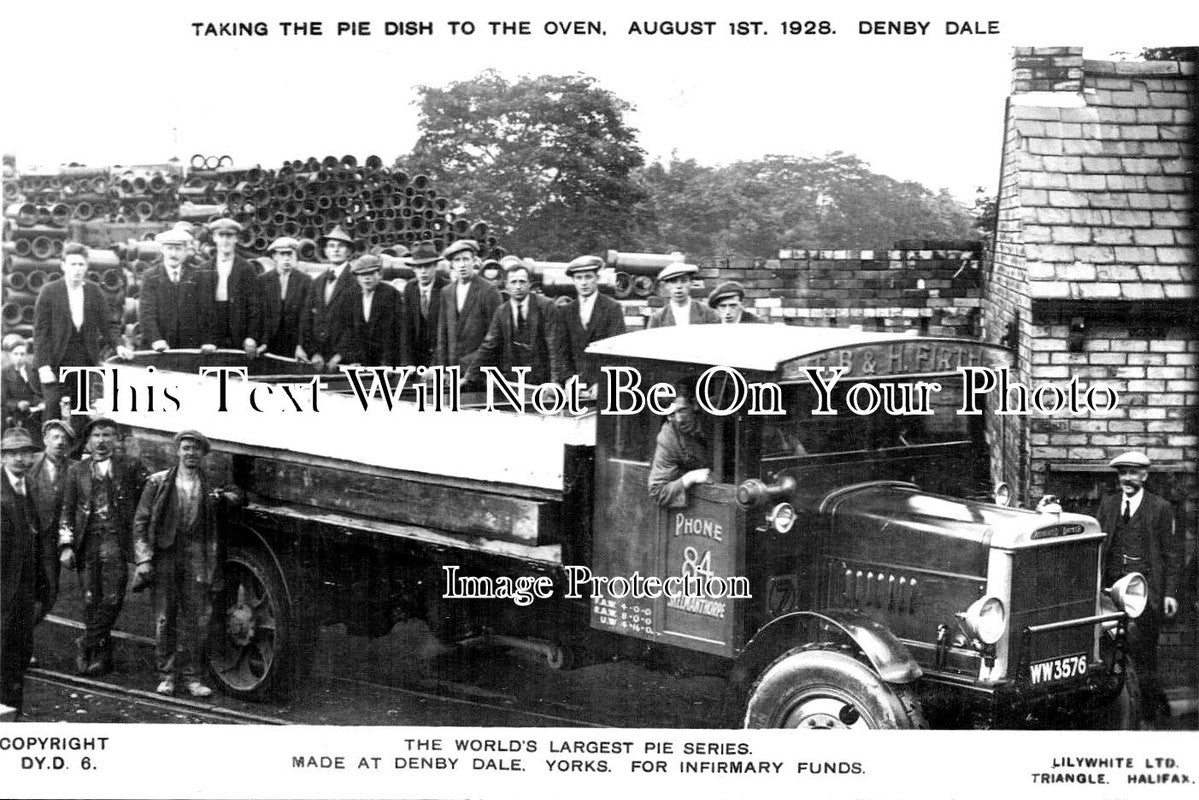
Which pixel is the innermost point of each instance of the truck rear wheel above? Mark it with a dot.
(821, 689)
(261, 643)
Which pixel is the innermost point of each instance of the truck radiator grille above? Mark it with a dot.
(1052, 584)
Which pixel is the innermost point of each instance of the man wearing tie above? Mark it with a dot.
(230, 292)
(422, 304)
(680, 309)
(170, 307)
(467, 306)
(374, 339)
(20, 389)
(23, 566)
(588, 318)
(334, 291)
(283, 294)
(1142, 537)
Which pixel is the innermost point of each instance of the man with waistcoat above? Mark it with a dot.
(1142, 537)
(422, 304)
(283, 294)
(374, 332)
(327, 317)
(524, 332)
(48, 475)
(230, 292)
(171, 305)
(98, 501)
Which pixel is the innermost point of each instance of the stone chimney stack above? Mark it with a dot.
(1047, 69)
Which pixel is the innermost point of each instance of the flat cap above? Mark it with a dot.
(423, 253)
(366, 264)
(195, 436)
(15, 440)
(512, 261)
(459, 246)
(584, 264)
(724, 291)
(174, 236)
(98, 422)
(223, 224)
(1132, 458)
(676, 269)
(284, 243)
(338, 234)
(61, 424)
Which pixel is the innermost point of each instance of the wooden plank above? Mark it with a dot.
(503, 517)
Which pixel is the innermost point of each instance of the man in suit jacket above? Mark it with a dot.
(728, 301)
(48, 476)
(680, 308)
(171, 306)
(283, 294)
(22, 566)
(98, 501)
(422, 305)
(374, 339)
(588, 318)
(327, 316)
(72, 327)
(20, 389)
(1142, 537)
(524, 332)
(230, 292)
(467, 306)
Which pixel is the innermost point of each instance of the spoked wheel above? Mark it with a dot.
(259, 643)
(828, 690)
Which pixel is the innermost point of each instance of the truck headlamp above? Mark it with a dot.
(1130, 594)
(986, 619)
(781, 517)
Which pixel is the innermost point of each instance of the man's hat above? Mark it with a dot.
(1132, 458)
(224, 223)
(366, 264)
(491, 262)
(338, 234)
(458, 246)
(512, 261)
(676, 269)
(195, 436)
(423, 253)
(16, 440)
(584, 264)
(284, 243)
(98, 421)
(724, 291)
(174, 236)
(61, 424)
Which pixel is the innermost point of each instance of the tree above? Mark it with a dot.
(546, 161)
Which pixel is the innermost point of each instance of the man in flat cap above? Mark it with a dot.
(680, 308)
(728, 301)
(283, 294)
(334, 291)
(178, 547)
(681, 457)
(524, 332)
(230, 292)
(1142, 537)
(467, 306)
(48, 475)
(20, 389)
(72, 327)
(171, 306)
(23, 566)
(374, 332)
(422, 305)
(586, 318)
(98, 500)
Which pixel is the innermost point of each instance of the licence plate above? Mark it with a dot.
(1058, 669)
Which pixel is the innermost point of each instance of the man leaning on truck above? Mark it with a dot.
(680, 453)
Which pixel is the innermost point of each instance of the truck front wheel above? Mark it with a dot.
(260, 642)
(821, 689)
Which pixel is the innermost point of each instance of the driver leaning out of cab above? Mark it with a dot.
(681, 457)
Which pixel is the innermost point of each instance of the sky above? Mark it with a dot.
(130, 83)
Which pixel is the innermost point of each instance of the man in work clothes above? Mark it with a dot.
(283, 294)
(524, 332)
(728, 301)
(588, 318)
(178, 549)
(48, 476)
(230, 292)
(422, 304)
(20, 389)
(98, 501)
(374, 337)
(1142, 537)
(171, 304)
(681, 457)
(23, 584)
(467, 306)
(326, 320)
(680, 309)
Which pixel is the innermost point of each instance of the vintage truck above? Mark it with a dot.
(876, 596)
